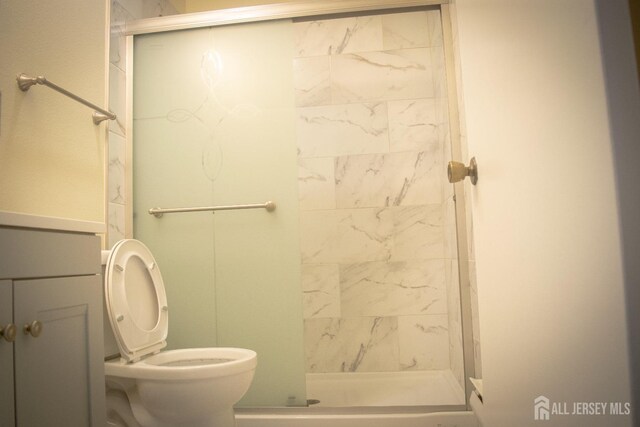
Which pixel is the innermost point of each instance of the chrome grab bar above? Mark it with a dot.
(99, 115)
(158, 212)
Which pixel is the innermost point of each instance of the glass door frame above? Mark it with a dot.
(299, 9)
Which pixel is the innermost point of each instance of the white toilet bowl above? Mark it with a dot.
(189, 387)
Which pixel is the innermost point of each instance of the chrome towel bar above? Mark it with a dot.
(99, 115)
(158, 212)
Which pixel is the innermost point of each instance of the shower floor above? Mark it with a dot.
(438, 387)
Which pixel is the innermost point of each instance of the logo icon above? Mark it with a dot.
(541, 408)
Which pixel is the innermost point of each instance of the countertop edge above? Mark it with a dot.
(16, 219)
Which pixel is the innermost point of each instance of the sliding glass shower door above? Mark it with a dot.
(214, 125)
(351, 286)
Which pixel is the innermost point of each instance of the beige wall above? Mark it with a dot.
(542, 124)
(51, 154)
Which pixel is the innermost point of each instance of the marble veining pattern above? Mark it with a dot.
(351, 344)
(417, 233)
(346, 235)
(320, 290)
(376, 230)
(415, 125)
(116, 224)
(342, 129)
(371, 234)
(405, 30)
(316, 183)
(393, 288)
(119, 17)
(423, 342)
(116, 168)
(335, 36)
(389, 75)
(394, 179)
(439, 80)
(117, 99)
(312, 81)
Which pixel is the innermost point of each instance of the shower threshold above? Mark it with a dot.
(418, 388)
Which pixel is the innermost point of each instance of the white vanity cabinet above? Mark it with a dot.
(6, 354)
(52, 371)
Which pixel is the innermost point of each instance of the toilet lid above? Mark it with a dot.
(135, 299)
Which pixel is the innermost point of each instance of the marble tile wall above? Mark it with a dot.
(372, 131)
(121, 12)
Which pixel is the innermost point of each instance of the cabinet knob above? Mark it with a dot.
(34, 329)
(8, 332)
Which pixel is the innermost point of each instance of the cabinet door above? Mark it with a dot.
(6, 356)
(59, 374)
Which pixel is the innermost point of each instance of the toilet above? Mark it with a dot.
(146, 386)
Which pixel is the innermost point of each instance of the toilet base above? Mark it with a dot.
(224, 419)
(119, 410)
(120, 414)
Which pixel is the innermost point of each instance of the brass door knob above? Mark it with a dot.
(457, 171)
(34, 329)
(8, 332)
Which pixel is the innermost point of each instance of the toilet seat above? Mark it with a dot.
(186, 364)
(136, 301)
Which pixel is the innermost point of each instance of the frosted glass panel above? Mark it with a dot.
(214, 125)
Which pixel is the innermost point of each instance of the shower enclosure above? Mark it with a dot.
(349, 290)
